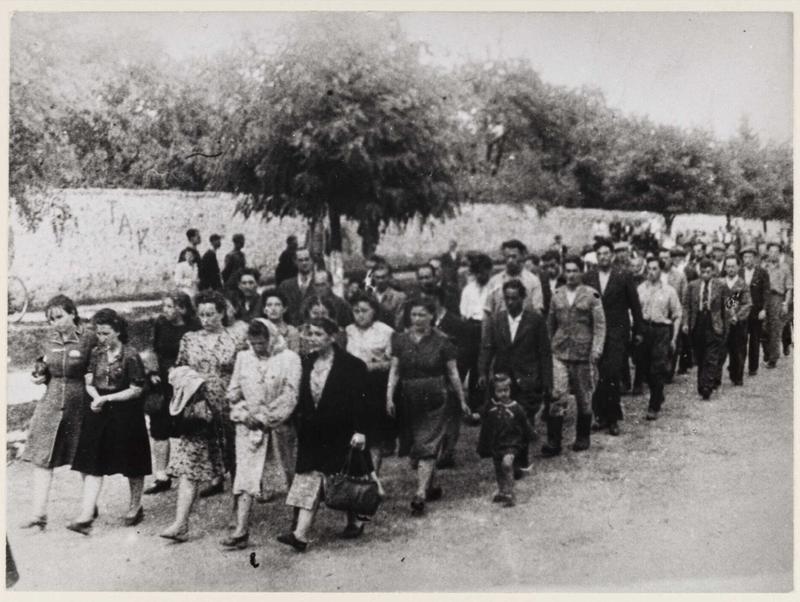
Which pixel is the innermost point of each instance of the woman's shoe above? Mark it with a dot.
(179, 536)
(158, 486)
(352, 532)
(290, 540)
(132, 521)
(417, 506)
(433, 494)
(239, 543)
(84, 528)
(212, 490)
(39, 521)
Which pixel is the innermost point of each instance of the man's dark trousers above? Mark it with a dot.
(707, 350)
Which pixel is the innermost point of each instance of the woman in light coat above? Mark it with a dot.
(263, 394)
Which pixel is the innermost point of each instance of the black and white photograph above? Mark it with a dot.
(341, 300)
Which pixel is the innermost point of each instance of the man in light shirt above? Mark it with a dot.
(473, 302)
(514, 253)
(662, 313)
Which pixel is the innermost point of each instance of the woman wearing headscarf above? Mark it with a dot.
(263, 394)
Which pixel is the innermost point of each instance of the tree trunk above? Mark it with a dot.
(370, 236)
(336, 229)
(764, 225)
(668, 219)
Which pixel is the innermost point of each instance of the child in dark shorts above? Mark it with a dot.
(505, 431)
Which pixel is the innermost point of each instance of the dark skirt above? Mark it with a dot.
(114, 441)
(160, 420)
(381, 429)
(423, 417)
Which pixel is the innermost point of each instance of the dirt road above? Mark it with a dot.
(700, 500)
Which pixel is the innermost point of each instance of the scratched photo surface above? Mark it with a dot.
(182, 406)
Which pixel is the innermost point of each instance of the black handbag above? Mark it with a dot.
(344, 491)
(195, 418)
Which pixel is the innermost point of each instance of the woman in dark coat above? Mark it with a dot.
(330, 421)
(56, 423)
(114, 434)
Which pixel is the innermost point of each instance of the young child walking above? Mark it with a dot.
(505, 431)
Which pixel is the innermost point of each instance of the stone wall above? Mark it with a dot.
(123, 244)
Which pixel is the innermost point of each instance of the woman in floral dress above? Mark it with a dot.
(211, 352)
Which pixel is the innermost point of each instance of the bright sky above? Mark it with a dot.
(688, 69)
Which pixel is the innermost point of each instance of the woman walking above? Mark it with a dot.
(423, 361)
(57, 418)
(186, 276)
(114, 434)
(263, 394)
(371, 342)
(211, 353)
(177, 318)
(330, 420)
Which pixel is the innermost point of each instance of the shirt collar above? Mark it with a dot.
(72, 337)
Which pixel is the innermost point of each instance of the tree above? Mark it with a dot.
(343, 121)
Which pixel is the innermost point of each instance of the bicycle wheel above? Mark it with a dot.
(17, 299)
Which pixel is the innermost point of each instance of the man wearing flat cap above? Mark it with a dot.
(718, 254)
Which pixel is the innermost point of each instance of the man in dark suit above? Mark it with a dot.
(515, 341)
(391, 300)
(286, 266)
(758, 279)
(707, 324)
(551, 276)
(738, 312)
(208, 271)
(322, 286)
(450, 262)
(619, 296)
(297, 289)
(234, 261)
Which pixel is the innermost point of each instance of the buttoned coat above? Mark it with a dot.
(759, 289)
(719, 312)
(576, 331)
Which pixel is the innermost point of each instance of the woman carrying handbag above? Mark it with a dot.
(330, 421)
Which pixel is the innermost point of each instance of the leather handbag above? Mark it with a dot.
(349, 493)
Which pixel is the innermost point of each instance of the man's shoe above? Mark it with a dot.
(752, 373)
(705, 394)
(509, 501)
(771, 364)
(554, 430)
(290, 540)
(583, 431)
(352, 532)
(212, 490)
(417, 506)
(599, 425)
(433, 494)
(738, 383)
(158, 486)
(498, 498)
(613, 429)
(651, 415)
(445, 464)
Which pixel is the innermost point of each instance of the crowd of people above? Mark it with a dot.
(276, 384)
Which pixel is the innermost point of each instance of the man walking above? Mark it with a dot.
(662, 313)
(234, 261)
(576, 326)
(516, 343)
(675, 277)
(550, 277)
(738, 312)
(295, 290)
(391, 300)
(707, 324)
(757, 278)
(471, 307)
(287, 268)
(193, 236)
(780, 283)
(208, 272)
(514, 253)
(620, 300)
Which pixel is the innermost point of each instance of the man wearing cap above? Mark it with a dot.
(718, 253)
(677, 280)
(707, 324)
(757, 278)
(781, 285)
(208, 271)
(620, 301)
(662, 314)
(738, 311)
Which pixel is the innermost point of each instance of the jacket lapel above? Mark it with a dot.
(524, 326)
(505, 331)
